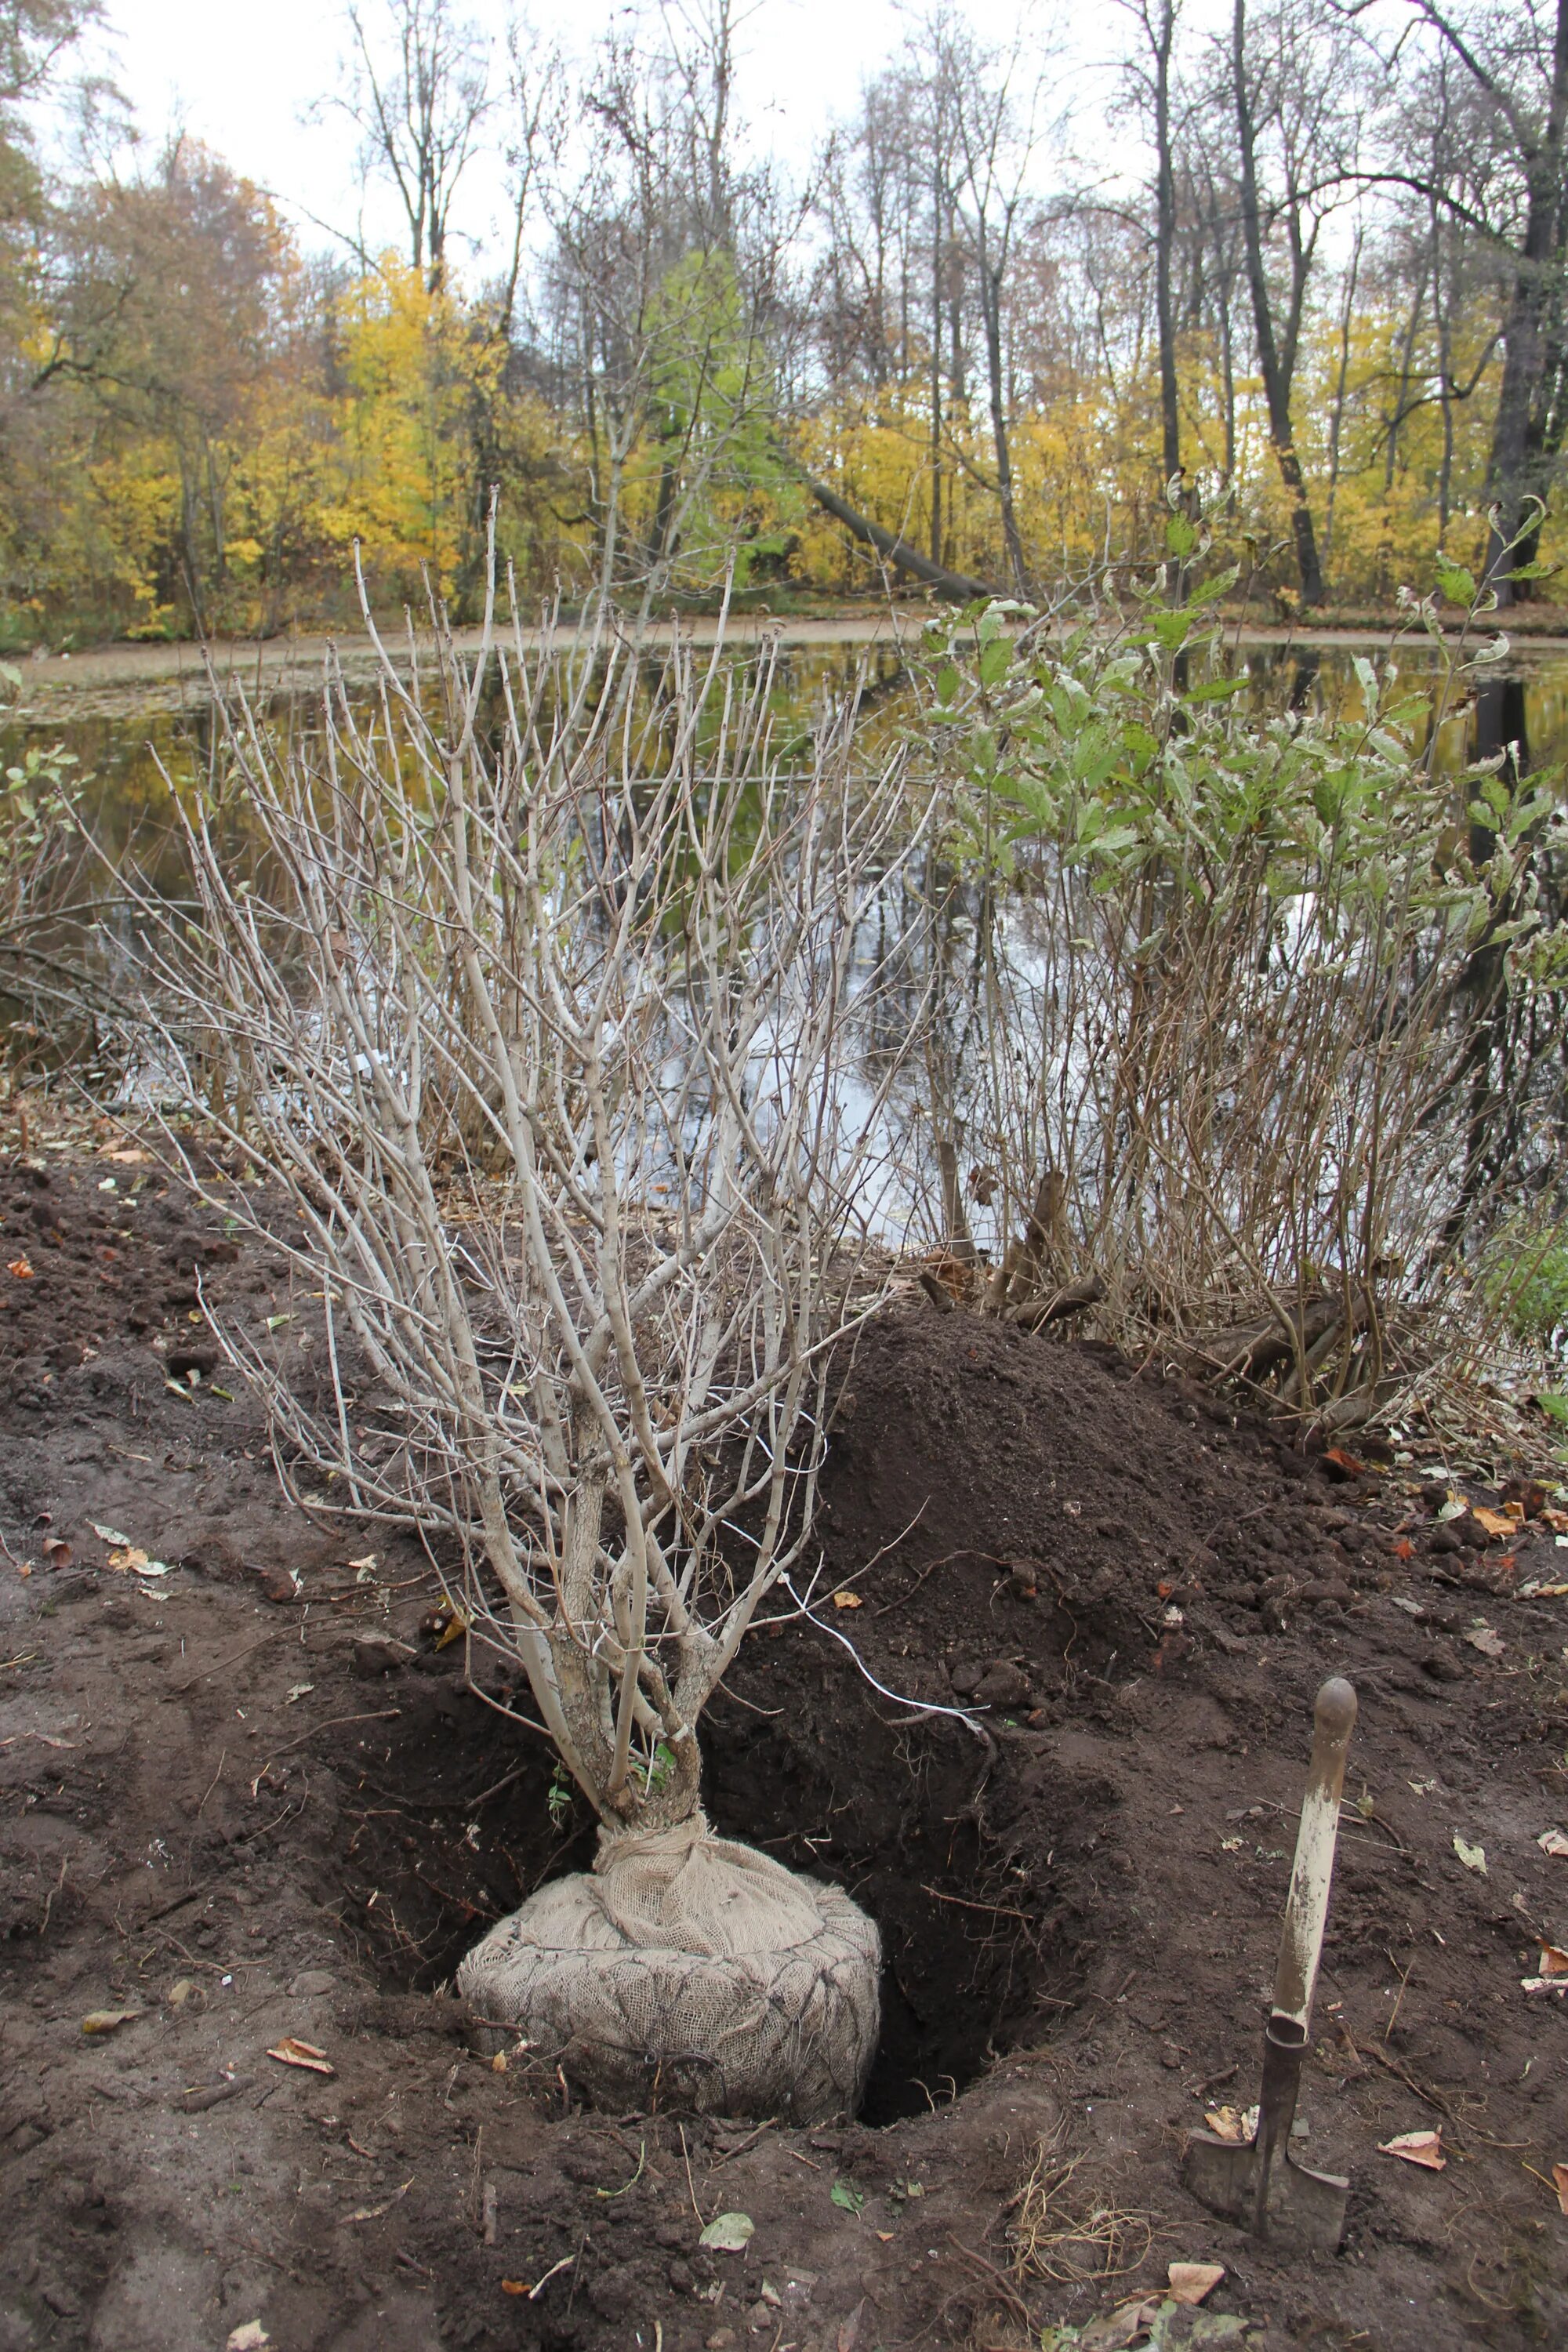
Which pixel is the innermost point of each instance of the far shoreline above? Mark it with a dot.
(124, 680)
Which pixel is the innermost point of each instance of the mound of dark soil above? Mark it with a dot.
(1047, 1719)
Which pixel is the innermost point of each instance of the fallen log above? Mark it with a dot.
(956, 585)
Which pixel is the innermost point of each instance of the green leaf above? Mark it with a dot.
(949, 686)
(996, 661)
(1210, 591)
(1181, 535)
(847, 2198)
(1457, 581)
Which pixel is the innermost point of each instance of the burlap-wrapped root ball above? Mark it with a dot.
(691, 1971)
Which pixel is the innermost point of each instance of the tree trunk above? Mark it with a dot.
(1276, 377)
(955, 585)
(1165, 247)
(1515, 470)
(991, 286)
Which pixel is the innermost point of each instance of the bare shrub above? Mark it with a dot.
(542, 1002)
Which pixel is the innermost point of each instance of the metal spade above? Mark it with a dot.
(1256, 2182)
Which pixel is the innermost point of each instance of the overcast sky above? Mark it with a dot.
(244, 78)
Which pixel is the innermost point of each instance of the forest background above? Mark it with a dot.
(1305, 260)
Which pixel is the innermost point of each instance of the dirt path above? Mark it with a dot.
(129, 681)
(249, 1797)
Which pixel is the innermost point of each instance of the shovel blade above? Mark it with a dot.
(1305, 2207)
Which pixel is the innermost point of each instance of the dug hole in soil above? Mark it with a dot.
(250, 1797)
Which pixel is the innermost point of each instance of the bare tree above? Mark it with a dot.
(996, 133)
(420, 91)
(1516, 63)
(1150, 74)
(1290, 95)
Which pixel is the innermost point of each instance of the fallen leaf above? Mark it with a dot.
(57, 1554)
(1424, 2147)
(1482, 1638)
(298, 1691)
(127, 1159)
(728, 2233)
(849, 2199)
(1474, 1858)
(109, 1535)
(276, 1322)
(251, 2337)
(1496, 1523)
(1560, 2182)
(1556, 1520)
(847, 1601)
(1404, 1548)
(107, 2021)
(514, 2287)
(454, 1629)
(130, 1559)
(1454, 1508)
(292, 2052)
(183, 1989)
(1554, 1842)
(20, 1268)
(1544, 1984)
(1553, 1961)
(1190, 2282)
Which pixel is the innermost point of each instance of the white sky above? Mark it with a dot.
(242, 75)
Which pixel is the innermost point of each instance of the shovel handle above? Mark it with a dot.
(1307, 1908)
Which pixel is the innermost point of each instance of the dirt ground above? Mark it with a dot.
(249, 1797)
(134, 681)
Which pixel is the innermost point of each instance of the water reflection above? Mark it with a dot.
(127, 760)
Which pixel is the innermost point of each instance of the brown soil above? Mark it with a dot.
(225, 1812)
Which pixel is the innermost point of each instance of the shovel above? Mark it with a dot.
(1242, 2180)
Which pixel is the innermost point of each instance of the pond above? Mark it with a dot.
(124, 759)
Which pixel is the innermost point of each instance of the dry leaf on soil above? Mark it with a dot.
(728, 2233)
(1496, 1523)
(1554, 1960)
(1554, 1842)
(1474, 1858)
(1232, 2123)
(847, 1601)
(1190, 2282)
(251, 2337)
(20, 1268)
(1423, 2148)
(108, 2020)
(1482, 1638)
(1560, 2182)
(292, 2052)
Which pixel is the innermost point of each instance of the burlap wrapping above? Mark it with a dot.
(689, 1971)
